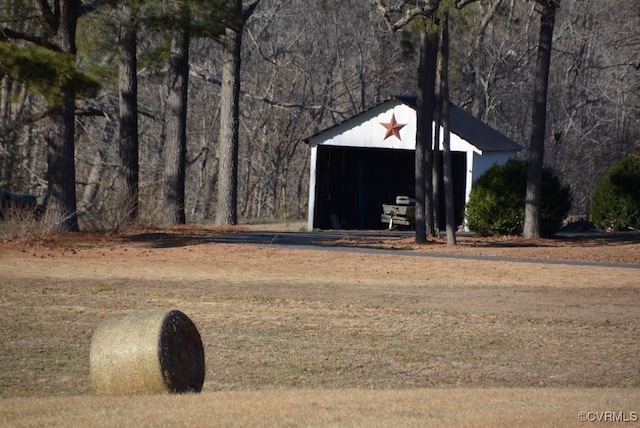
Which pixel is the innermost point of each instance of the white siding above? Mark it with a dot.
(366, 130)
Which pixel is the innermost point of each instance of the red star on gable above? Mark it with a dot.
(393, 127)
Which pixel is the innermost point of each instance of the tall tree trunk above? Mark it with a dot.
(533, 201)
(128, 117)
(175, 146)
(61, 212)
(437, 155)
(227, 203)
(93, 182)
(424, 134)
(446, 145)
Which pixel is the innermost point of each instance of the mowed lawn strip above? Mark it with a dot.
(438, 407)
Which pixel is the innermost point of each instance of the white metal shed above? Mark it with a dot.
(368, 160)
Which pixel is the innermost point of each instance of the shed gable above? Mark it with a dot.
(367, 129)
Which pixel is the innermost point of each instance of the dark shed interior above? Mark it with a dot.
(352, 184)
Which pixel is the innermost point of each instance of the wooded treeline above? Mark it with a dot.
(307, 65)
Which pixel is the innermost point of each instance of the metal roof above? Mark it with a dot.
(472, 129)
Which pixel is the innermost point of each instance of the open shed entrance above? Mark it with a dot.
(352, 184)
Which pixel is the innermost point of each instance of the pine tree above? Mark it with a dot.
(47, 64)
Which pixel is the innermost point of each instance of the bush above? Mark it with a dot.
(497, 200)
(616, 199)
(22, 222)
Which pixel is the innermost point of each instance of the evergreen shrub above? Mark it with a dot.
(497, 201)
(615, 204)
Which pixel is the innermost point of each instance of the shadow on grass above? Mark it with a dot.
(172, 239)
(164, 240)
(382, 240)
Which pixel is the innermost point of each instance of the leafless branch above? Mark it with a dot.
(281, 104)
(419, 8)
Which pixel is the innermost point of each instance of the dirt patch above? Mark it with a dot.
(590, 247)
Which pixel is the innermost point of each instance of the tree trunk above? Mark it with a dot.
(446, 145)
(424, 135)
(93, 182)
(437, 156)
(128, 117)
(175, 145)
(61, 213)
(227, 203)
(533, 201)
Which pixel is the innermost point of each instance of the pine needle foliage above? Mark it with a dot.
(53, 74)
(616, 198)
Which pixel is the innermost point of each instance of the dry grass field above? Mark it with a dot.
(319, 337)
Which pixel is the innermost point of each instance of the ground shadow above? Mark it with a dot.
(387, 240)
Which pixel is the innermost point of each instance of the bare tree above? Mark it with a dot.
(591, 119)
(287, 101)
(16, 143)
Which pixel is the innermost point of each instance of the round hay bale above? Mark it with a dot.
(147, 353)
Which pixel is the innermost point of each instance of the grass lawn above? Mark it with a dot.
(327, 338)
